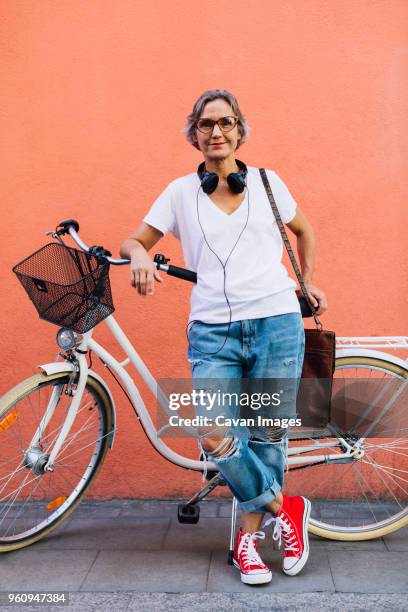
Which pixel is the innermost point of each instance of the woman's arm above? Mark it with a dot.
(142, 269)
(145, 235)
(306, 244)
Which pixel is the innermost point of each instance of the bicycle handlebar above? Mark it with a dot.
(71, 226)
(183, 273)
(160, 261)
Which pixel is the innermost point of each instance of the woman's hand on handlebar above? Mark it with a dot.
(143, 272)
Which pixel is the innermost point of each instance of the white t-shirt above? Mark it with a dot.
(257, 283)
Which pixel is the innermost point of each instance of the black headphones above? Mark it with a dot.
(236, 180)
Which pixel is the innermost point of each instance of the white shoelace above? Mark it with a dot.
(250, 555)
(283, 530)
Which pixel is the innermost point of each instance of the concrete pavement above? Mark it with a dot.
(134, 555)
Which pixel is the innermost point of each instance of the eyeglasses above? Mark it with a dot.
(226, 124)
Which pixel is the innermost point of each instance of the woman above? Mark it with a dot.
(245, 319)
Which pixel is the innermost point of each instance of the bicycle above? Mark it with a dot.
(57, 426)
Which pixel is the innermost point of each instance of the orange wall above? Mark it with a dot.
(94, 95)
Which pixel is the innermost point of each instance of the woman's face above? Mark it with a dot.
(217, 145)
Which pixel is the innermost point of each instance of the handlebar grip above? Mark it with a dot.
(187, 275)
(64, 226)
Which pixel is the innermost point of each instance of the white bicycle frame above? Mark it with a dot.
(345, 347)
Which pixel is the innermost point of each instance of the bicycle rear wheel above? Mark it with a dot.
(33, 502)
(366, 496)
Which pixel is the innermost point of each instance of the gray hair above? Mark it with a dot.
(208, 96)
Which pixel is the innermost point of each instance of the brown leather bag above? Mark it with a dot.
(315, 389)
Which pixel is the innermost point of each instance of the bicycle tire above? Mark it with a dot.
(328, 528)
(19, 393)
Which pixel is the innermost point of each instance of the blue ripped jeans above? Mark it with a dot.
(265, 348)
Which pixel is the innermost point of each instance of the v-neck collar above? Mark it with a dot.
(214, 205)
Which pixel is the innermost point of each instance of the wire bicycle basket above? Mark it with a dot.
(67, 286)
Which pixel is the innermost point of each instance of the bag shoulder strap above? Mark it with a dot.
(287, 243)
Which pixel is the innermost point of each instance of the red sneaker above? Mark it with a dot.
(247, 560)
(291, 526)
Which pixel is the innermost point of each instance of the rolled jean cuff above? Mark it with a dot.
(257, 503)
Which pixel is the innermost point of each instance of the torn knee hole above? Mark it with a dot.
(276, 434)
(226, 448)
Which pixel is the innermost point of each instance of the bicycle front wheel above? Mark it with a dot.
(364, 496)
(33, 502)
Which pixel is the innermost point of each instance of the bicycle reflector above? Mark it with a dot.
(68, 287)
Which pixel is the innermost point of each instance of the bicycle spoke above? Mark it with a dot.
(57, 429)
(388, 473)
(25, 503)
(79, 450)
(76, 434)
(16, 491)
(392, 469)
(28, 500)
(18, 469)
(386, 484)
(359, 478)
(10, 476)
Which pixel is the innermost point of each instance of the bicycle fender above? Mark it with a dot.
(359, 352)
(65, 366)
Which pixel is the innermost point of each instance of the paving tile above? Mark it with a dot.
(377, 544)
(208, 534)
(369, 572)
(226, 508)
(31, 569)
(38, 509)
(315, 576)
(92, 602)
(397, 541)
(30, 510)
(99, 508)
(354, 511)
(167, 508)
(258, 600)
(79, 602)
(110, 533)
(164, 571)
(253, 601)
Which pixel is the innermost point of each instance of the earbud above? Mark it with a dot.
(236, 180)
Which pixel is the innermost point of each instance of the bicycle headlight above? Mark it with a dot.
(67, 339)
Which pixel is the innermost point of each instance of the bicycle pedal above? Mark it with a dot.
(188, 514)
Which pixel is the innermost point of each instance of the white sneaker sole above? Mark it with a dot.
(254, 578)
(299, 565)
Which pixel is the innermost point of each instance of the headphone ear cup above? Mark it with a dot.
(236, 182)
(209, 182)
